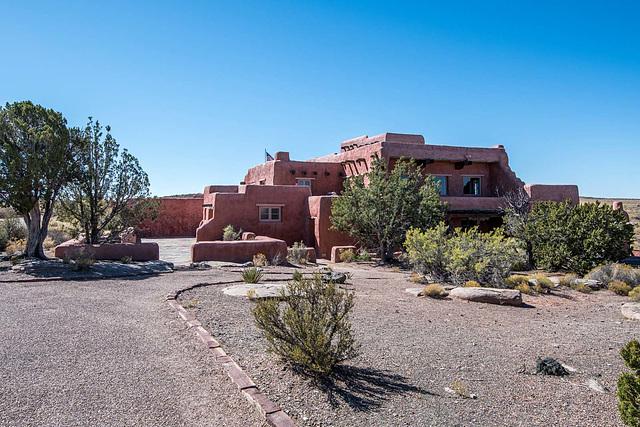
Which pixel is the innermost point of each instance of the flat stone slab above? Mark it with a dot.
(631, 310)
(33, 268)
(488, 295)
(262, 290)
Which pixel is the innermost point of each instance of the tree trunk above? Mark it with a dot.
(36, 237)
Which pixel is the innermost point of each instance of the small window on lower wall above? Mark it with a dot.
(270, 214)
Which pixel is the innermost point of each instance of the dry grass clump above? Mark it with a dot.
(16, 246)
(472, 284)
(620, 288)
(581, 287)
(543, 283)
(523, 287)
(569, 280)
(515, 280)
(634, 294)
(348, 256)
(434, 291)
(84, 261)
(260, 260)
(416, 278)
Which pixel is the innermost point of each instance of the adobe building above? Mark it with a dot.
(291, 200)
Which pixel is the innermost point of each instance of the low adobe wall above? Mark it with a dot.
(553, 193)
(110, 251)
(238, 250)
(180, 217)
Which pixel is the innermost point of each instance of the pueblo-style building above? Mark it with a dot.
(291, 200)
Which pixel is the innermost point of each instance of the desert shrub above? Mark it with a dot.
(296, 276)
(515, 280)
(11, 228)
(416, 278)
(296, 254)
(48, 243)
(568, 280)
(363, 255)
(348, 256)
(620, 288)
(83, 261)
(311, 328)
(434, 291)
(472, 284)
(126, 260)
(277, 259)
(16, 246)
(260, 260)
(634, 294)
(629, 385)
(576, 238)
(525, 288)
(61, 231)
(581, 287)
(461, 255)
(460, 388)
(229, 233)
(542, 283)
(612, 272)
(252, 274)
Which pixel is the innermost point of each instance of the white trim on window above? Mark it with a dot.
(270, 213)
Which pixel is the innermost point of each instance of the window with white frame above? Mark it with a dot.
(471, 185)
(304, 182)
(441, 183)
(270, 213)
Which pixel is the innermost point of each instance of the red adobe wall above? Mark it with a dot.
(325, 239)
(553, 193)
(110, 251)
(180, 218)
(325, 177)
(238, 250)
(241, 210)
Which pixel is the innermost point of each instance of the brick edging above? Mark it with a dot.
(272, 413)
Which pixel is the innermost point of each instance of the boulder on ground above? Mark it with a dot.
(631, 310)
(334, 276)
(488, 295)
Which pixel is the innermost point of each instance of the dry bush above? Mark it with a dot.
(311, 328)
(16, 246)
(523, 287)
(581, 287)
(229, 233)
(515, 280)
(260, 260)
(569, 280)
(348, 256)
(608, 273)
(363, 255)
(434, 291)
(634, 294)
(472, 284)
(620, 288)
(83, 261)
(296, 254)
(416, 278)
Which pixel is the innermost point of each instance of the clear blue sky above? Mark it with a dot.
(198, 90)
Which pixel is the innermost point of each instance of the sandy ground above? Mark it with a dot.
(412, 349)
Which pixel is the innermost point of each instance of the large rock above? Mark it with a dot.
(488, 295)
(334, 276)
(631, 310)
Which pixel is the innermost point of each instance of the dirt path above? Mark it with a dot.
(108, 352)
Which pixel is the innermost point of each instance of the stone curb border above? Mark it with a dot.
(273, 415)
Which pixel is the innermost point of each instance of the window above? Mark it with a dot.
(471, 186)
(304, 182)
(467, 224)
(270, 214)
(441, 182)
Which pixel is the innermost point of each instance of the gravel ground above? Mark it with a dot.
(413, 348)
(108, 352)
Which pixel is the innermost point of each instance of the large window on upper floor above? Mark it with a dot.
(441, 183)
(471, 185)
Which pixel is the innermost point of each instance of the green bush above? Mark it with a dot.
(11, 229)
(296, 254)
(363, 255)
(229, 233)
(576, 238)
(252, 274)
(461, 256)
(311, 328)
(629, 385)
(612, 272)
(620, 288)
(634, 294)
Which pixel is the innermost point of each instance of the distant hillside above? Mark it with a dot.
(632, 206)
(184, 196)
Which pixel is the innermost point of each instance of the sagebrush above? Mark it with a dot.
(229, 233)
(309, 328)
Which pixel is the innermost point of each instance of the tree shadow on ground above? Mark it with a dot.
(365, 389)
